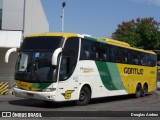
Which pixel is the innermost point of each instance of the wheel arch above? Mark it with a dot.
(145, 84)
(87, 85)
(139, 83)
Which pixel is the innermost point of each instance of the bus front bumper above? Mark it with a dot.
(47, 96)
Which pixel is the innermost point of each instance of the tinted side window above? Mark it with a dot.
(101, 51)
(88, 50)
(135, 58)
(92, 50)
(111, 54)
(143, 59)
(151, 61)
(123, 55)
(69, 58)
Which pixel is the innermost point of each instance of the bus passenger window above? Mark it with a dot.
(135, 58)
(94, 55)
(129, 60)
(101, 49)
(85, 50)
(111, 55)
(152, 60)
(143, 59)
(87, 55)
(107, 53)
(116, 55)
(88, 50)
(122, 55)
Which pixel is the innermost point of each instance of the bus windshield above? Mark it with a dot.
(41, 43)
(34, 63)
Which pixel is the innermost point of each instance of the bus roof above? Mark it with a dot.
(124, 44)
(65, 35)
(104, 40)
(115, 42)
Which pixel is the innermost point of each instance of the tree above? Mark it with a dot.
(142, 33)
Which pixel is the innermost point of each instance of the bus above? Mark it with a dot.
(73, 67)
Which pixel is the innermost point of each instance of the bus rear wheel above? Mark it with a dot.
(138, 91)
(84, 97)
(144, 90)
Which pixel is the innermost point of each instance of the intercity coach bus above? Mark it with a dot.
(72, 67)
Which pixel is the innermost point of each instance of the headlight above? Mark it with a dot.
(49, 89)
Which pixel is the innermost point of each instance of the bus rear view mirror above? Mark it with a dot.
(55, 56)
(8, 54)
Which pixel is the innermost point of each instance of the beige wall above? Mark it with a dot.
(24, 15)
(35, 18)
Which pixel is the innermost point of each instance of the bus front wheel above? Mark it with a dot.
(84, 97)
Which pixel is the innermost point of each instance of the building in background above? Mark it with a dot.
(18, 18)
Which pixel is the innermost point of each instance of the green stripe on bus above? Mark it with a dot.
(94, 39)
(105, 75)
(41, 85)
(90, 38)
(110, 75)
(115, 76)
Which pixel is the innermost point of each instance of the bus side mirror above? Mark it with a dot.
(8, 54)
(55, 56)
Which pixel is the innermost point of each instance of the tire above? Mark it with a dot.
(138, 91)
(84, 97)
(144, 90)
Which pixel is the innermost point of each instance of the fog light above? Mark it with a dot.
(49, 89)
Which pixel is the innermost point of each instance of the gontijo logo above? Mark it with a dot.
(128, 70)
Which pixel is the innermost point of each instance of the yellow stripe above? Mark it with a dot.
(4, 88)
(3, 85)
(4, 92)
(123, 44)
(24, 85)
(66, 35)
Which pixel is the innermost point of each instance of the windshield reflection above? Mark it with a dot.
(35, 67)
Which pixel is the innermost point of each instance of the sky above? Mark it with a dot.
(98, 18)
